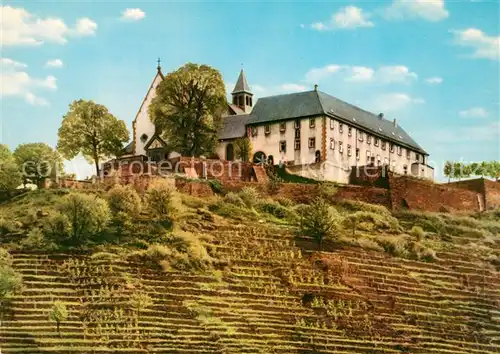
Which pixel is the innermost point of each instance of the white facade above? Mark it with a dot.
(143, 127)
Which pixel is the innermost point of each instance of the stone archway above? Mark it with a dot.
(259, 158)
(229, 152)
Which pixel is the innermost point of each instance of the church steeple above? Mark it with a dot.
(242, 96)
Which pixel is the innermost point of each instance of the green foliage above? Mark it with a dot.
(88, 128)
(10, 176)
(274, 183)
(87, 215)
(124, 199)
(275, 209)
(216, 185)
(188, 108)
(58, 313)
(10, 280)
(139, 302)
(234, 198)
(36, 240)
(418, 232)
(402, 246)
(250, 196)
(459, 170)
(326, 190)
(286, 202)
(319, 221)
(370, 221)
(243, 149)
(291, 178)
(38, 161)
(159, 198)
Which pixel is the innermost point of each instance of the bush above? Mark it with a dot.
(216, 186)
(87, 215)
(319, 221)
(418, 232)
(394, 245)
(274, 183)
(124, 199)
(369, 221)
(160, 198)
(10, 280)
(274, 209)
(233, 198)
(249, 196)
(36, 240)
(326, 190)
(57, 227)
(286, 202)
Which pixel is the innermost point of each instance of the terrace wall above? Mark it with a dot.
(489, 190)
(416, 194)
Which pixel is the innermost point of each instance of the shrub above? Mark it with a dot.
(274, 209)
(319, 221)
(418, 232)
(422, 252)
(124, 199)
(87, 215)
(160, 198)
(326, 190)
(10, 280)
(394, 245)
(274, 183)
(58, 314)
(233, 198)
(216, 185)
(369, 221)
(57, 227)
(249, 196)
(36, 240)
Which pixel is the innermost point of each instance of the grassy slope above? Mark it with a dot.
(276, 294)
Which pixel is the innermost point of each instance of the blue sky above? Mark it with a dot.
(433, 65)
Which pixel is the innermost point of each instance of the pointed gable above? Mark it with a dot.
(241, 84)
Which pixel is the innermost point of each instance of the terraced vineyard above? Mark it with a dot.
(272, 296)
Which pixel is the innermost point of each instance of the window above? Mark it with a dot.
(417, 157)
(360, 136)
(341, 147)
(368, 139)
(341, 127)
(405, 169)
(368, 156)
(349, 152)
(383, 144)
(247, 101)
(408, 154)
(386, 161)
(349, 131)
(267, 129)
(332, 144)
(376, 142)
(332, 124)
(297, 144)
(240, 101)
(282, 127)
(282, 146)
(357, 154)
(379, 161)
(400, 150)
(297, 133)
(392, 147)
(297, 124)
(235, 100)
(144, 138)
(312, 143)
(254, 131)
(312, 123)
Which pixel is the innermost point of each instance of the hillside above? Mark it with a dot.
(386, 288)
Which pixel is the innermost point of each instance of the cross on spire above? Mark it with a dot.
(159, 61)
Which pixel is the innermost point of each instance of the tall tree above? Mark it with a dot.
(243, 149)
(90, 129)
(10, 177)
(448, 170)
(38, 161)
(188, 108)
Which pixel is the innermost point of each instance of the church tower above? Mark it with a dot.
(242, 96)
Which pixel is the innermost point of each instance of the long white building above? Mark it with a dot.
(313, 133)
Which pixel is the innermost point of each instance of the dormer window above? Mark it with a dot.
(282, 127)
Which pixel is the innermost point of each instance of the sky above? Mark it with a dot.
(432, 65)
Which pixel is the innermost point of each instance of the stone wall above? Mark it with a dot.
(226, 171)
(416, 194)
(489, 190)
(492, 194)
(195, 188)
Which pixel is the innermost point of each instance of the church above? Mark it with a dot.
(312, 133)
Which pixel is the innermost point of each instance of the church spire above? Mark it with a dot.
(159, 66)
(242, 84)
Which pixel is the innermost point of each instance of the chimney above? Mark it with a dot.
(316, 87)
(381, 115)
(395, 123)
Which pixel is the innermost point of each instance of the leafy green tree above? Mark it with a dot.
(88, 128)
(448, 170)
(458, 170)
(10, 280)
(188, 108)
(38, 161)
(87, 215)
(124, 199)
(484, 168)
(495, 170)
(10, 177)
(159, 198)
(58, 313)
(243, 149)
(319, 221)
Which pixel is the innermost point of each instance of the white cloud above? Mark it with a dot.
(17, 83)
(292, 88)
(349, 17)
(395, 102)
(436, 80)
(85, 27)
(480, 133)
(484, 46)
(133, 14)
(19, 27)
(9, 63)
(54, 63)
(475, 112)
(430, 10)
(363, 74)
